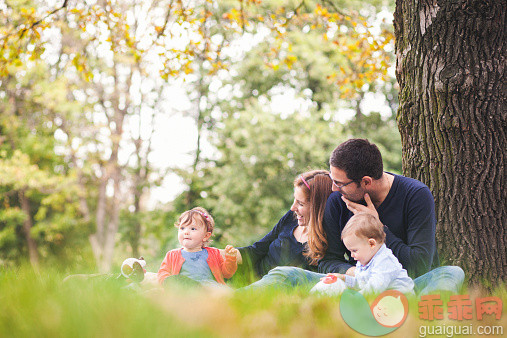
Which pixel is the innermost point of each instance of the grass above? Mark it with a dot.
(42, 305)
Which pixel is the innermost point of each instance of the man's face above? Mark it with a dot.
(349, 189)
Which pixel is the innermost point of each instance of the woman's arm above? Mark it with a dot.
(259, 250)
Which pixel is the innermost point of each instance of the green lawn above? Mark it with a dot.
(41, 305)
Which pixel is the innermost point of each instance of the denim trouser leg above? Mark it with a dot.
(444, 278)
(284, 276)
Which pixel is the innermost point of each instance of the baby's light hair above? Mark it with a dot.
(198, 216)
(365, 225)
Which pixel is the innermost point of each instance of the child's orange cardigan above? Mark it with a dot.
(220, 268)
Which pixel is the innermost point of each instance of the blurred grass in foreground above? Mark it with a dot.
(41, 305)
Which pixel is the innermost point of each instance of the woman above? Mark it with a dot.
(301, 227)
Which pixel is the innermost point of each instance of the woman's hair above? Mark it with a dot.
(365, 225)
(198, 216)
(320, 187)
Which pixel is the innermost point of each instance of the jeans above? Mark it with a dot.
(287, 276)
(444, 278)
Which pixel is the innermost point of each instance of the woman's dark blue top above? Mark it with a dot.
(278, 248)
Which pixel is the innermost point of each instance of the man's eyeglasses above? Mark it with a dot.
(339, 185)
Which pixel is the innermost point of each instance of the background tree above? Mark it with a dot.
(124, 63)
(450, 67)
(114, 73)
(260, 152)
(260, 147)
(39, 217)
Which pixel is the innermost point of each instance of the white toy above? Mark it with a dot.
(330, 286)
(133, 269)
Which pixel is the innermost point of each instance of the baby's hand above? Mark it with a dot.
(332, 277)
(231, 251)
(351, 271)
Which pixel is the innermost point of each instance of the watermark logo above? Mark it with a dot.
(387, 312)
(459, 307)
(460, 311)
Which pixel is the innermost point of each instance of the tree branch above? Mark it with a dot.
(64, 5)
(333, 6)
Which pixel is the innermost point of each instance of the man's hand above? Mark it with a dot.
(357, 208)
(231, 251)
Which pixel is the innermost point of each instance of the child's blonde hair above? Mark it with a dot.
(199, 216)
(365, 225)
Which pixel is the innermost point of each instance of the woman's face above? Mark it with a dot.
(301, 207)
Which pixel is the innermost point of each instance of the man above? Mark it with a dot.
(404, 205)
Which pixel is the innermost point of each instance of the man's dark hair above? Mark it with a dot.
(358, 158)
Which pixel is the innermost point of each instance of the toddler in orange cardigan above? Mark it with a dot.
(195, 260)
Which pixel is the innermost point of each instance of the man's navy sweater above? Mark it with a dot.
(408, 213)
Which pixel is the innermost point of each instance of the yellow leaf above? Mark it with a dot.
(290, 60)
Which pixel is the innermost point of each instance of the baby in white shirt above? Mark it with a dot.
(377, 268)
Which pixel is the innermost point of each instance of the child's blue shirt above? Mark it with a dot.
(195, 266)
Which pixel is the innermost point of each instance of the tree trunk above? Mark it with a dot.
(113, 224)
(202, 89)
(450, 67)
(27, 226)
(97, 239)
(136, 239)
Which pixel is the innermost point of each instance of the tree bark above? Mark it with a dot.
(450, 67)
(27, 226)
